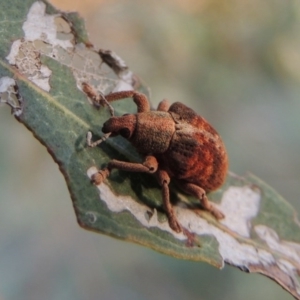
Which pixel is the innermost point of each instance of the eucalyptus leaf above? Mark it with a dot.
(45, 59)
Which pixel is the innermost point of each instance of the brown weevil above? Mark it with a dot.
(176, 143)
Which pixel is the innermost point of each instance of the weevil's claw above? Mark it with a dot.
(216, 213)
(191, 237)
(100, 176)
(175, 225)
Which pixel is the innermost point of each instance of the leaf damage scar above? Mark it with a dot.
(9, 94)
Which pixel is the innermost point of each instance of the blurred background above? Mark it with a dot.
(235, 62)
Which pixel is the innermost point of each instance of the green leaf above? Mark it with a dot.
(45, 58)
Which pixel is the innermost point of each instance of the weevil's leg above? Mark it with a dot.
(185, 113)
(150, 165)
(164, 180)
(98, 99)
(198, 192)
(164, 105)
(139, 99)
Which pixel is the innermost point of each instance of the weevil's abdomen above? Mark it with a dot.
(196, 155)
(153, 132)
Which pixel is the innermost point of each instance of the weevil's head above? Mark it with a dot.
(124, 125)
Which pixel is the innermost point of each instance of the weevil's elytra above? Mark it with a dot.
(177, 144)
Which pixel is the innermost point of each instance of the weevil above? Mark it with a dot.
(176, 144)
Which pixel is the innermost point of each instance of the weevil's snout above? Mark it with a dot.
(124, 125)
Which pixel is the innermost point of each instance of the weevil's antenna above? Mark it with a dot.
(96, 143)
(103, 99)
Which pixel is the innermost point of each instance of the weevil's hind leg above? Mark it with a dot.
(150, 165)
(164, 105)
(164, 180)
(198, 192)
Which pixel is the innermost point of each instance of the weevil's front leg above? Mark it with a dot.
(198, 192)
(97, 99)
(164, 180)
(150, 165)
(139, 99)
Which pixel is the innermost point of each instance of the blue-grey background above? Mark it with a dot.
(238, 64)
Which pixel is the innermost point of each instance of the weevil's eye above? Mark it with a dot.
(125, 132)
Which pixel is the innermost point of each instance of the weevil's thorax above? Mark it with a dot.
(153, 132)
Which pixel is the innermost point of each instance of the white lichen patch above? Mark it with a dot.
(14, 52)
(6, 83)
(126, 82)
(121, 203)
(288, 249)
(290, 269)
(231, 246)
(52, 36)
(26, 58)
(9, 94)
(240, 205)
(41, 26)
(230, 249)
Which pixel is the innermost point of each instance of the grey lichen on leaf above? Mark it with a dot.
(9, 95)
(41, 76)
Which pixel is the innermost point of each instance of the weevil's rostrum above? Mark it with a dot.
(177, 144)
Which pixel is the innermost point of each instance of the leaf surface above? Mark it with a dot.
(45, 58)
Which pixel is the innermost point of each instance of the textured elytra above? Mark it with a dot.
(197, 153)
